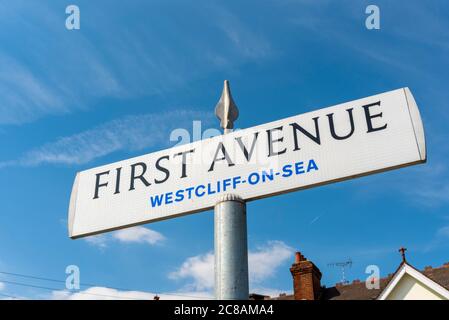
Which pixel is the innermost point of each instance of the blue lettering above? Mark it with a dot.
(156, 201)
(266, 175)
(236, 181)
(209, 190)
(299, 167)
(179, 195)
(312, 165)
(169, 197)
(254, 178)
(200, 194)
(253, 181)
(189, 192)
(287, 169)
(226, 183)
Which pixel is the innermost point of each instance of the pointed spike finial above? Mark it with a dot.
(226, 110)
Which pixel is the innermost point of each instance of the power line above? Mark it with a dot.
(57, 289)
(32, 277)
(90, 285)
(8, 296)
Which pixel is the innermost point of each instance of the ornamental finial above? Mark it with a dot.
(402, 251)
(226, 109)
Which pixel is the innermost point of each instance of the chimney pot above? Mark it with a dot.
(298, 257)
(306, 278)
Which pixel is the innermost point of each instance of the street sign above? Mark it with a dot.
(345, 141)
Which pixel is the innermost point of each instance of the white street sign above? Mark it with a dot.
(345, 141)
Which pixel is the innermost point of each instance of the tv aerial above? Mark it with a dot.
(343, 265)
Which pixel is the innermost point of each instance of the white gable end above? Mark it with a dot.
(409, 284)
(408, 288)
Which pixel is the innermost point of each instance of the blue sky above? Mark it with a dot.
(136, 70)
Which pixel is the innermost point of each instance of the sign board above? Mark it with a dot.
(345, 141)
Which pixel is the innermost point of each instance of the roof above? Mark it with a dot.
(358, 291)
(405, 268)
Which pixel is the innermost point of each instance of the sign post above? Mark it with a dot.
(230, 231)
(361, 137)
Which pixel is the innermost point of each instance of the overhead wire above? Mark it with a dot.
(34, 277)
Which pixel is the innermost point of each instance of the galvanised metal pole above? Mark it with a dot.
(231, 243)
(231, 249)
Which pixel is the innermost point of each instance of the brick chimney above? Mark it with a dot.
(306, 279)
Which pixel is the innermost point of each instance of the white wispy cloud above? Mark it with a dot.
(247, 42)
(139, 234)
(2, 286)
(424, 185)
(132, 133)
(443, 232)
(71, 70)
(103, 293)
(99, 241)
(265, 261)
(198, 268)
(262, 263)
(432, 195)
(63, 72)
(23, 95)
(438, 241)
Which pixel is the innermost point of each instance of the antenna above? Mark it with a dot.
(343, 265)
